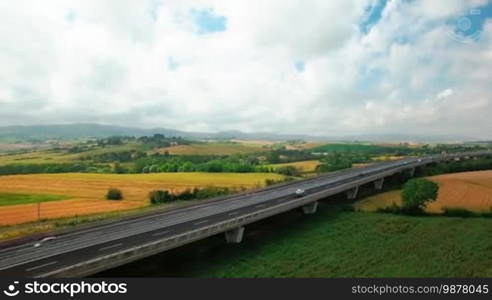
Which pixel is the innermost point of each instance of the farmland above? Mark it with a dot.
(336, 243)
(15, 199)
(468, 190)
(60, 156)
(308, 166)
(367, 245)
(214, 149)
(86, 192)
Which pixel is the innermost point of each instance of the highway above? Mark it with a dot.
(87, 251)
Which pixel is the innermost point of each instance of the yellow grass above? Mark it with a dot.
(469, 190)
(387, 157)
(256, 143)
(307, 166)
(87, 191)
(212, 149)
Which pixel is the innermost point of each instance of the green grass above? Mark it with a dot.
(359, 148)
(357, 244)
(15, 199)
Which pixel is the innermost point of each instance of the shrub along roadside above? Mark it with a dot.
(164, 196)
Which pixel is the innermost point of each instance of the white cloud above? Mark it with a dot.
(109, 62)
(445, 94)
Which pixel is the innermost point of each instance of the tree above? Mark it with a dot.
(288, 171)
(417, 193)
(158, 197)
(114, 194)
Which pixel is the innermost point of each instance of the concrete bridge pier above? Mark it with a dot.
(411, 172)
(378, 184)
(234, 236)
(352, 193)
(310, 208)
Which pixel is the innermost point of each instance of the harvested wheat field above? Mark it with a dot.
(86, 192)
(303, 166)
(212, 149)
(468, 190)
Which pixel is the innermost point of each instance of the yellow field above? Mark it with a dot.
(469, 190)
(256, 143)
(307, 166)
(387, 157)
(213, 149)
(87, 191)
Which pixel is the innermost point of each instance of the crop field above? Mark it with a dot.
(468, 190)
(361, 245)
(256, 143)
(336, 244)
(307, 166)
(51, 156)
(86, 192)
(357, 148)
(213, 149)
(15, 199)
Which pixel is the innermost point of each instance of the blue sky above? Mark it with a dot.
(208, 22)
(373, 15)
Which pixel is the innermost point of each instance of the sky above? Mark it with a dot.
(317, 67)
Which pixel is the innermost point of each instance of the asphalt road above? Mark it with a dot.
(68, 249)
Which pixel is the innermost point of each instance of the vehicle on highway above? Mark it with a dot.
(300, 192)
(46, 239)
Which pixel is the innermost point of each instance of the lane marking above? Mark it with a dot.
(41, 266)
(233, 213)
(201, 222)
(109, 247)
(161, 232)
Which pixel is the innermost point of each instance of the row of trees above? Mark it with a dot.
(12, 169)
(164, 196)
(334, 161)
(234, 164)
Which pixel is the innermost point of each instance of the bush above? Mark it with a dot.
(114, 194)
(417, 193)
(158, 197)
(288, 171)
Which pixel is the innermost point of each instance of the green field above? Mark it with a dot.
(356, 244)
(360, 148)
(15, 199)
(51, 156)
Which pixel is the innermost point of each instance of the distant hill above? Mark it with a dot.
(75, 131)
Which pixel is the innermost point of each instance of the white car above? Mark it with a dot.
(46, 239)
(300, 192)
